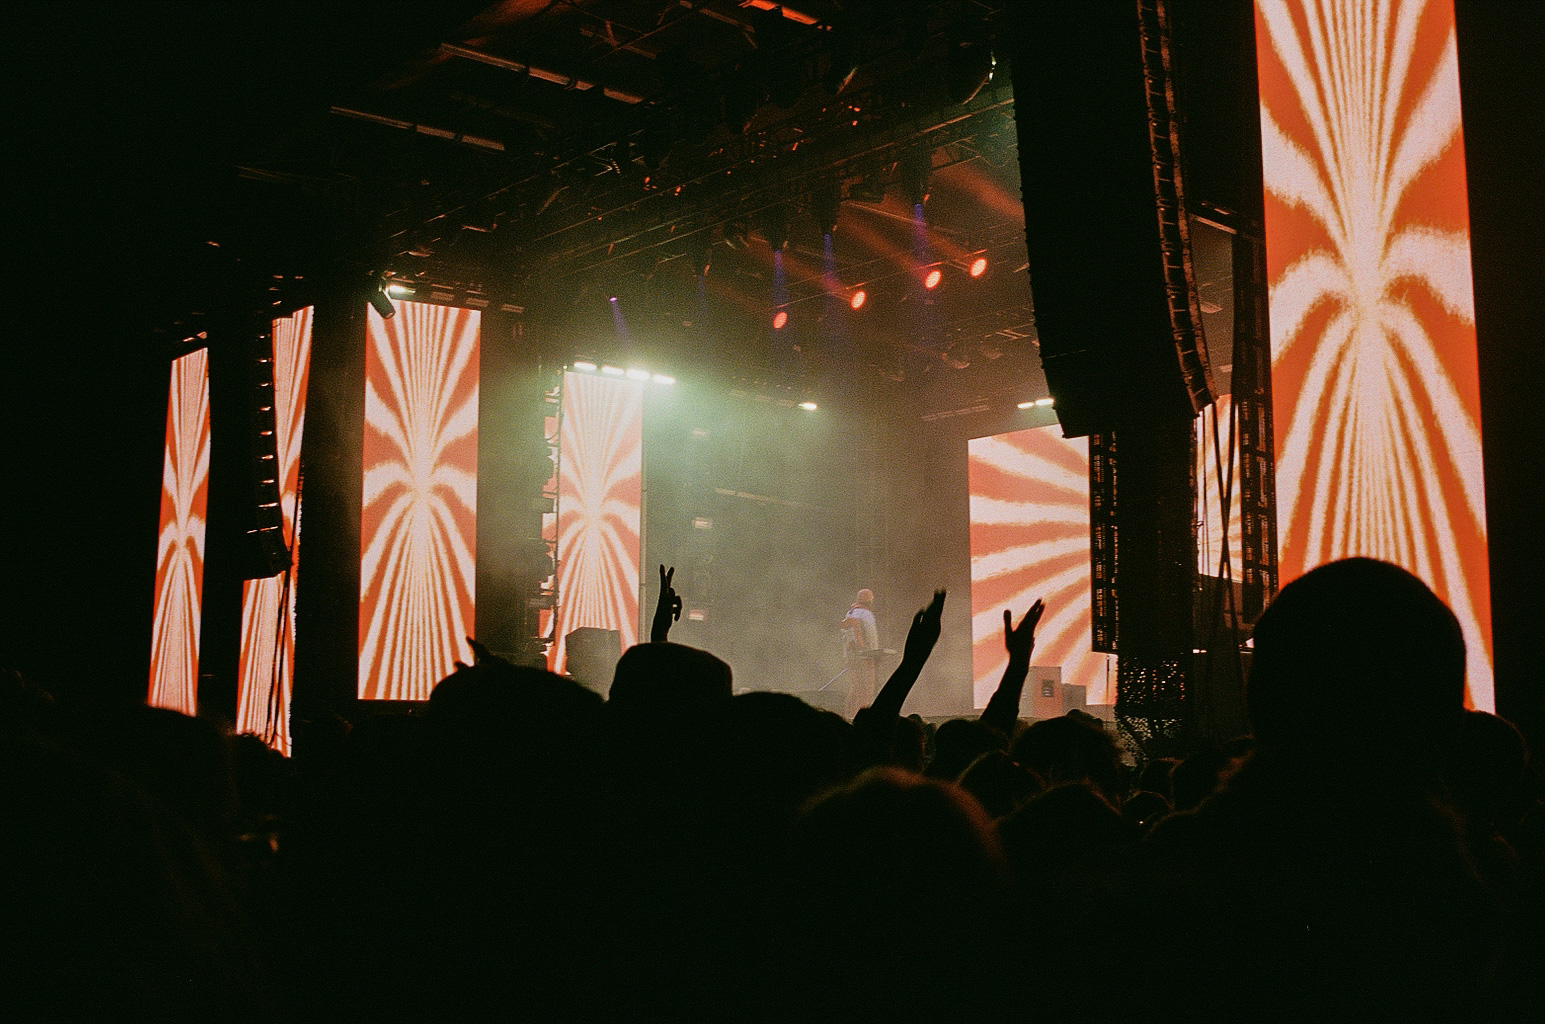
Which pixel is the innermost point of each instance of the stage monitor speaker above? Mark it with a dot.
(1105, 221)
(1042, 695)
(591, 657)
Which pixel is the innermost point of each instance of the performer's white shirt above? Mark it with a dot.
(860, 632)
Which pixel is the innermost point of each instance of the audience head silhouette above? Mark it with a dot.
(667, 677)
(1358, 633)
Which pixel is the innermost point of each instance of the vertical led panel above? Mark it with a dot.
(1030, 539)
(544, 616)
(600, 506)
(180, 550)
(418, 528)
(1212, 427)
(1374, 379)
(267, 666)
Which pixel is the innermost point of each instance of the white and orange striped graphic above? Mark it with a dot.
(179, 604)
(1212, 428)
(600, 507)
(267, 669)
(1375, 388)
(1030, 539)
(418, 530)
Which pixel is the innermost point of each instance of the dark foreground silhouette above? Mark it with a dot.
(523, 849)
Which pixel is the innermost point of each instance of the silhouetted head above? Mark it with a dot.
(1204, 770)
(1072, 749)
(1001, 785)
(498, 716)
(1157, 776)
(182, 760)
(959, 742)
(667, 678)
(900, 834)
(1365, 636)
(784, 751)
(1061, 833)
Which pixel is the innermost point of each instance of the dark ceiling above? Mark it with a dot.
(549, 155)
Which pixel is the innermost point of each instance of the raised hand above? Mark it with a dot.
(925, 630)
(667, 609)
(1021, 641)
(876, 723)
(1003, 708)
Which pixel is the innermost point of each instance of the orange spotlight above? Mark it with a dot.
(934, 277)
(858, 299)
(780, 319)
(979, 266)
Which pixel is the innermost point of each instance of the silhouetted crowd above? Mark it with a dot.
(523, 849)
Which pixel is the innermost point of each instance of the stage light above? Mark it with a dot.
(1043, 402)
(382, 304)
(635, 373)
(398, 291)
(581, 364)
(613, 371)
(858, 299)
(979, 266)
(808, 406)
(661, 378)
(780, 319)
(934, 277)
(1026, 405)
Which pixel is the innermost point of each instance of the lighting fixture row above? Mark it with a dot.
(637, 373)
(1039, 403)
(931, 279)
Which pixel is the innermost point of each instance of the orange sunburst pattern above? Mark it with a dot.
(418, 530)
(1212, 426)
(544, 616)
(1376, 397)
(267, 666)
(1030, 539)
(180, 551)
(600, 506)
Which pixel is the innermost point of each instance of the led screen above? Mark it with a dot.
(600, 506)
(180, 549)
(1212, 427)
(418, 529)
(1030, 539)
(267, 667)
(550, 536)
(1375, 392)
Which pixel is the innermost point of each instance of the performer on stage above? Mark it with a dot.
(860, 646)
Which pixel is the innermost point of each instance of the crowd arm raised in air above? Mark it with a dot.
(523, 846)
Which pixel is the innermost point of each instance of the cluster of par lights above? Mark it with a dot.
(931, 280)
(642, 375)
(637, 373)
